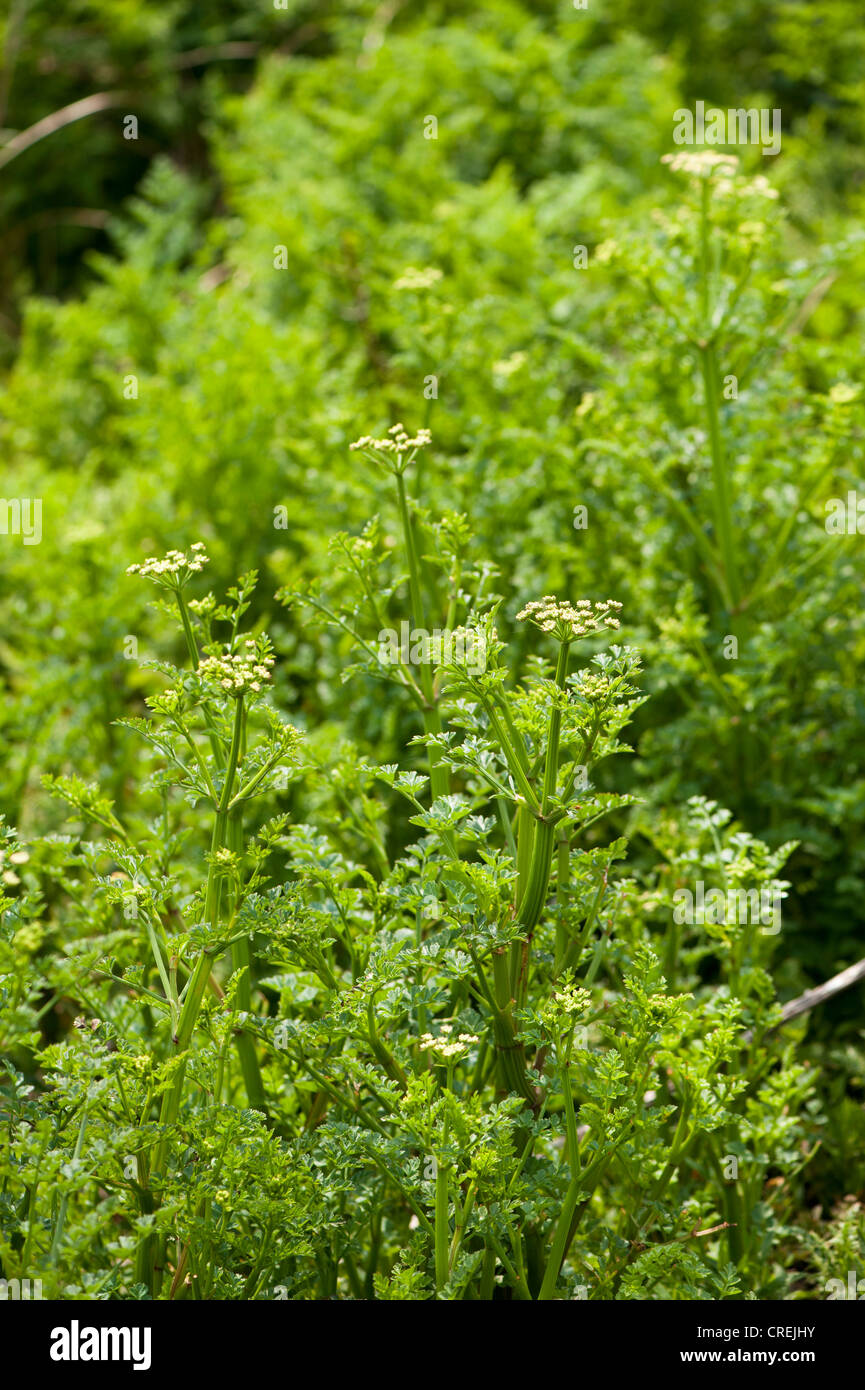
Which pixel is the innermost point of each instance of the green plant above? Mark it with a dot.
(460, 1047)
(391, 979)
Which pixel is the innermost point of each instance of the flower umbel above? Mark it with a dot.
(702, 164)
(414, 279)
(723, 170)
(446, 1047)
(396, 451)
(174, 569)
(568, 621)
(239, 672)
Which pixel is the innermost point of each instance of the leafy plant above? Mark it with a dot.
(429, 1070)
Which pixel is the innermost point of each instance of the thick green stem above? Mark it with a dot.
(573, 1143)
(441, 1226)
(192, 647)
(533, 899)
(462, 1219)
(442, 1230)
(64, 1200)
(241, 961)
(563, 1234)
(196, 988)
(709, 365)
(488, 1272)
(533, 881)
(439, 777)
(720, 479)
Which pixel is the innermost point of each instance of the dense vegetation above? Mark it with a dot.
(334, 966)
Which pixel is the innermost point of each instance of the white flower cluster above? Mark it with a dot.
(704, 164)
(509, 365)
(202, 607)
(568, 621)
(165, 702)
(175, 567)
(842, 393)
(573, 1000)
(592, 686)
(566, 1003)
(701, 163)
(239, 672)
(444, 1046)
(606, 251)
(752, 231)
(18, 856)
(758, 187)
(412, 279)
(398, 441)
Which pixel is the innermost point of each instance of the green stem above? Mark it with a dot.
(563, 1232)
(720, 480)
(540, 868)
(441, 1225)
(439, 776)
(242, 1002)
(64, 1201)
(192, 647)
(442, 1230)
(462, 1219)
(194, 996)
(709, 365)
(573, 1145)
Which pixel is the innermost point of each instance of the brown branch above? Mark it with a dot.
(102, 101)
(843, 980)
(93, 218)
(236, 51)
(818, 995)
(809, 304)
(67, 115)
